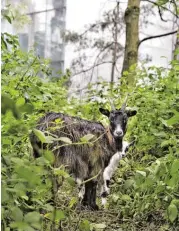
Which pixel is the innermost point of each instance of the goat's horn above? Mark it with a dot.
(112, 104)
(125, 103)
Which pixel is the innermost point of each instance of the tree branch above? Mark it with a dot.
(156, 36)
(165, 8)
(90, 68)
(161, 16)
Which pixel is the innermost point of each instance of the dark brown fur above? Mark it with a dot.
(84, 160)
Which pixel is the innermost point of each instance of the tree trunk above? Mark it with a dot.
(132, 37)
(176, 48)
(115, 44)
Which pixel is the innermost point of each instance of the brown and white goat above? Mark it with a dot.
(84, 161)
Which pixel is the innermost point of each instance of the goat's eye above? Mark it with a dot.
(112, 117)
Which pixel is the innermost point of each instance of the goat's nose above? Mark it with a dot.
(119, 133)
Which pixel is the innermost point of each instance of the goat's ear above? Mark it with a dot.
(104, 111)
(131, 113)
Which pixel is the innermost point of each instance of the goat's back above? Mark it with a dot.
(82, 160)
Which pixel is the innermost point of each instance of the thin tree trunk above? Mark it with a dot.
(176, 48)
(115, 44)
(132, 37)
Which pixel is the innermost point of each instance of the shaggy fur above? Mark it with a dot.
(83, 161)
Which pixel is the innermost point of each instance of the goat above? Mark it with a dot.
(84, 161)
(110, 169)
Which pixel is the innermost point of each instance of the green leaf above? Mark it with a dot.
(4, 195)
(141, 173)
(125, 197)
(71, 181)
(115, 197)
(20, 102)
(61, 172)
(17, 214)
(8, 18)
(59, 215)
(40, 135)
(65, 140)
(175, 168)
(20, 225)
(128, 183)
(173, 120)
(73, 202)
(84, 225)
(17, 161)
(32, 217)
(87, 137)
(49, 139)
(28, 108)
(172, 212)
(49, 156)
(166, 143)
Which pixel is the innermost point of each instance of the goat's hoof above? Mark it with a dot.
(94, 207)
(81, 207)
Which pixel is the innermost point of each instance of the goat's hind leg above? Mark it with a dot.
(89, 199)
(93, 204)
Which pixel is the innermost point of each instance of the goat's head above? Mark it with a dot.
(118, 120)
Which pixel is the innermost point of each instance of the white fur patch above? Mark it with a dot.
(118, 130)
(78, 181)
(81, 192)
(82, 188)
(125, 145)
(113, 164)
(103, 201)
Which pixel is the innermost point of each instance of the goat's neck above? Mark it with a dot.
(114, 143)
(118, 143)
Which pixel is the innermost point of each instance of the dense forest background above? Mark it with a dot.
(145, 189)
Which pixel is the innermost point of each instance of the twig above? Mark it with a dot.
(161, 16)
(84, 182)
(90, 68)
(21, 79)
(107, 46)
(79, 143)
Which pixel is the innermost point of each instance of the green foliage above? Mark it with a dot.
(26, 95)
(147, 181)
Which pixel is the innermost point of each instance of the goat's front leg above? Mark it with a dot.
(105, 187)
(108, 173)
(105, 191)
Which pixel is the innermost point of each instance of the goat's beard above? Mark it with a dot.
(118, 143)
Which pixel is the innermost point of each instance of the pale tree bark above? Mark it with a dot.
(132, 37)
(115, 43)
(176, 55)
